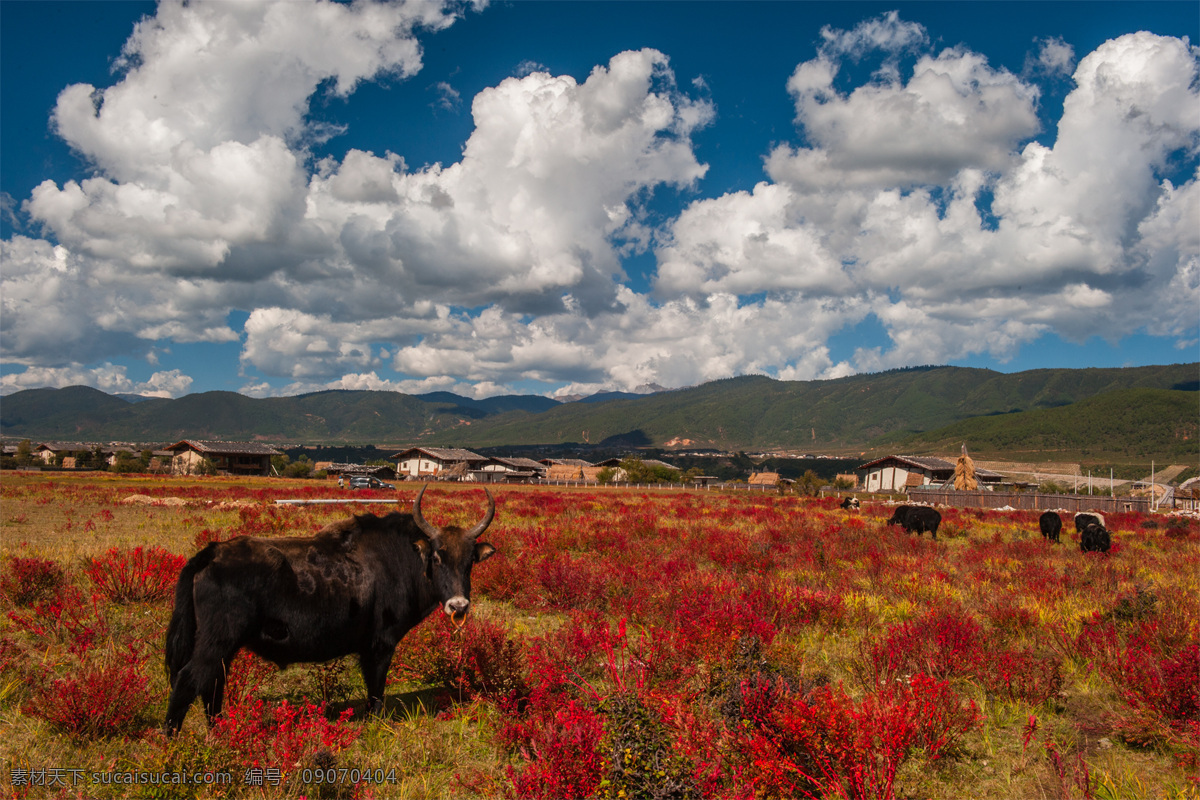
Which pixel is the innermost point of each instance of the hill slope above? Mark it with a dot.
(752, 412)
(1136, 423)
(758, 412)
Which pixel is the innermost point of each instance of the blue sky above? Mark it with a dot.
(571, 197)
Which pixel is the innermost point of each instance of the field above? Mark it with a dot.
(623, 644)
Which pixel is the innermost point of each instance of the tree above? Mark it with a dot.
(300, 468)
(25, 453)
(809, 484)
(638, 471)
(127, 462)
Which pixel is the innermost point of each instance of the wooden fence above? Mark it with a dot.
(1030, 501)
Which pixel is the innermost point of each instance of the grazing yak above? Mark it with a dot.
(356, 587)
(1095, 539)
(917, 519)
(849, 503)
(1051, 524)
(1085, 518)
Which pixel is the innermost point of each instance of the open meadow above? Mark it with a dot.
(622, 644)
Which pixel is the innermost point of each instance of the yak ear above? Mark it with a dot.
(484, 551)
(422, 547)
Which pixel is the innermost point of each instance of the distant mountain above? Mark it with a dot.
(757, 412)
(908, 408)
(604, 397)
(492, 405)
(134, 398)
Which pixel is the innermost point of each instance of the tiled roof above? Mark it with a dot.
(442, 454)
(226, 448)
(930, 463)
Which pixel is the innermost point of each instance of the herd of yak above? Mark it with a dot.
(1093, 536)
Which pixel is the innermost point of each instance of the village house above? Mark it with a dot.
(508, 470)
(336, 469)
(227, 458)
(51, 453)
(898, 473)
(437, 462)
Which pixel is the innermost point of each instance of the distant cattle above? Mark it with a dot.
(1095, 539)
(917, 519)
(355, 588)
(849, 503)
(1051, 524)
(1085, 518)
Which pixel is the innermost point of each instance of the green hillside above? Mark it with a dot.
(1041, 411)
(1127, 423)
(843, 414)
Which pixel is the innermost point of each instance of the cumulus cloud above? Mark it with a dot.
(1054, 57)
(544, 194)
(919, 198)
(110, 378)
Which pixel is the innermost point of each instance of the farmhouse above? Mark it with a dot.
(336, 469)
(437, 462)
(898, 473)
(500, 470)
(228, 458)
(55, 452)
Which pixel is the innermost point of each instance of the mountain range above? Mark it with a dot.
(1134, 411)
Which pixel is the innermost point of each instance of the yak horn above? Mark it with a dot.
(425, 527)
(475, 532)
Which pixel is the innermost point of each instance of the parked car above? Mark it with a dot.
(369, 482)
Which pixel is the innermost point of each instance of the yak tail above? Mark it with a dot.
(181, 632)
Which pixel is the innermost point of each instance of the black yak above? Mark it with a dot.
(355, 588)
(1051, 524)
(917, 519)
(1095, 539)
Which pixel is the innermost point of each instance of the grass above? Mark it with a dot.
(695, 575)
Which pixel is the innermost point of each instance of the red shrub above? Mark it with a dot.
(1153, 671)
(479, 660)
(65, 618)
(1022, 675)
(98, 700)
(828, 744)
(29, 580)
(562, 751)
(944, 645)
(136, 575)
(282, 735)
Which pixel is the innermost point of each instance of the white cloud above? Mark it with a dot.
(1054, 57)
(954, 112)
(1085, 237)
(543, 193)
(917, 197)
(108, 378)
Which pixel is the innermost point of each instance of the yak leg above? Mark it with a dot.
(218, 638)
(214, 694)
(375, 664)
(183, 692)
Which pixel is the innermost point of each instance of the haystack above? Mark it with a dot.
(964, 473)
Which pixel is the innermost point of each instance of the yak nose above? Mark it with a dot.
(456, 608)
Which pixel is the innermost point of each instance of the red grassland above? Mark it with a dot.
(624, 644)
